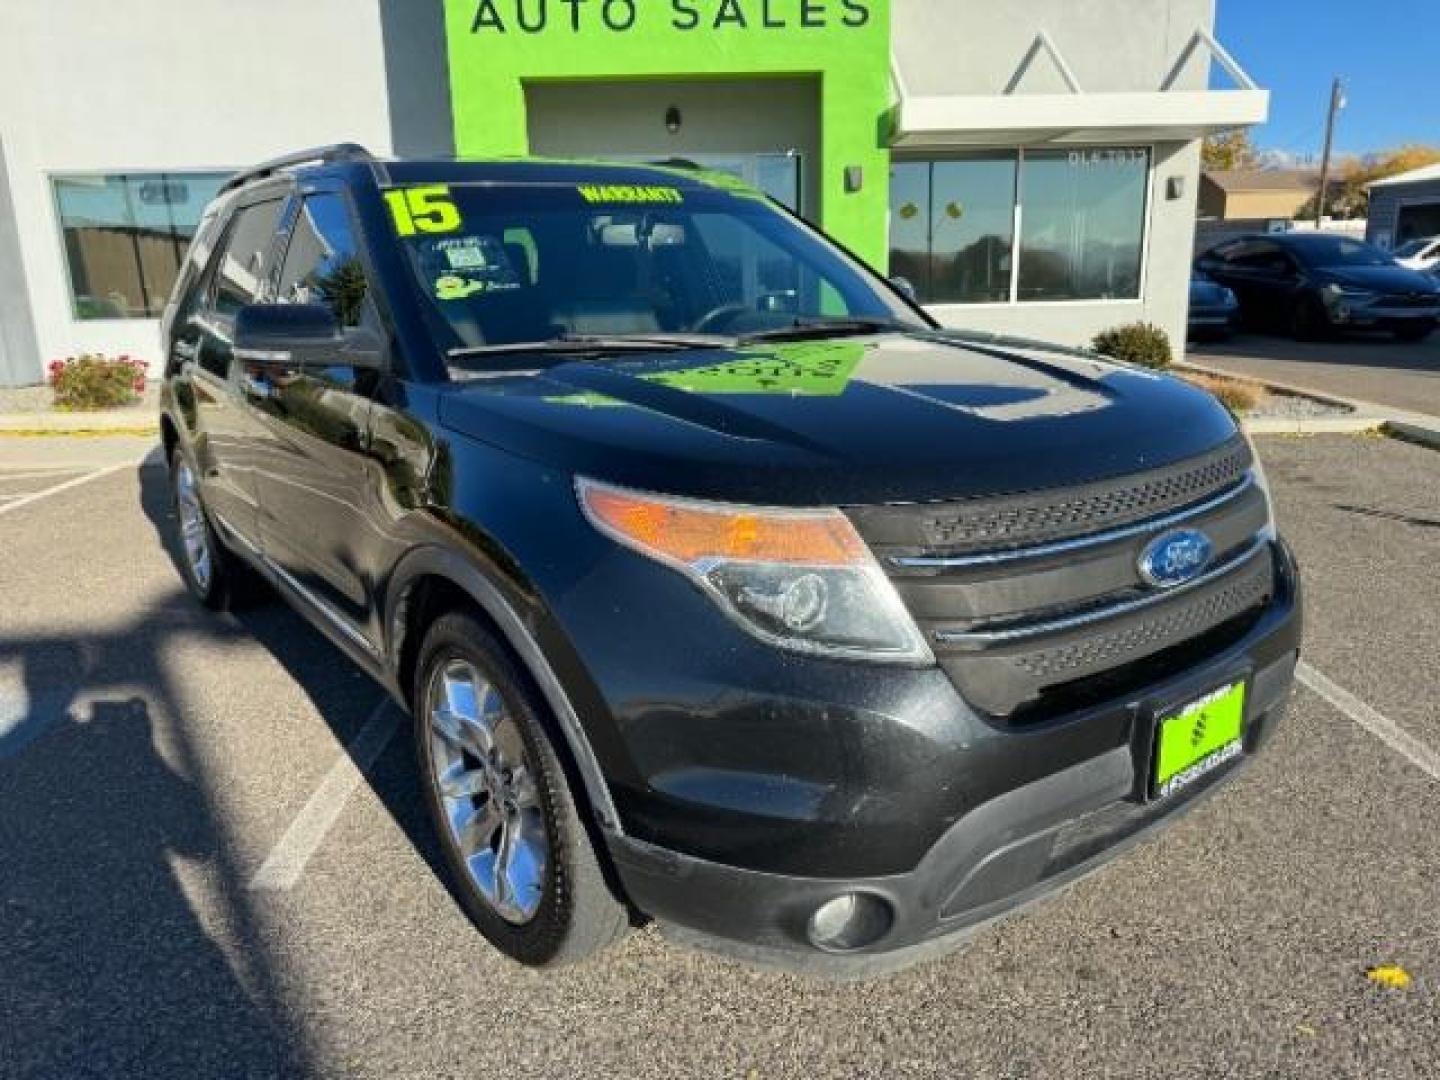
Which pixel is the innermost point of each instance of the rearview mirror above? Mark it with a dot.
(296, 334)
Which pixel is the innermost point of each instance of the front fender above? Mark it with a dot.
(506, 608)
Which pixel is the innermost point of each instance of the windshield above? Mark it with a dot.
(1339, 251)
(524, 263)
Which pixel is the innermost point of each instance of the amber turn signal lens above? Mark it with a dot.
(688, 532)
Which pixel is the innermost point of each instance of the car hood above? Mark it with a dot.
(1380, 279)
(890, 418)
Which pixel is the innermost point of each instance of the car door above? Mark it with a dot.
(202, 348)
(312, 478)
(1248, 269)
(1271, 277)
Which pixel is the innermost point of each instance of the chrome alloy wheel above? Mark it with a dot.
(486, 785)
(193, 530)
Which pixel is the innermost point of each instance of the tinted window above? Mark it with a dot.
(952, 227)
(242, 271)
(125, 237)
(1260, 255)
(1082, 225)
(322, 264)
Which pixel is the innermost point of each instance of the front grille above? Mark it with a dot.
(1022, 627)
(1184, 619)
(1409, 300)
(1045, 517)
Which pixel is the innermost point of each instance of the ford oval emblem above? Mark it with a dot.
(1175, 558)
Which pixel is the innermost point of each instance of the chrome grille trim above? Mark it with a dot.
(1080, 543)
(981, 639)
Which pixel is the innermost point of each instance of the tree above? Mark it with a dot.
(1229, 150)
(1348, 197)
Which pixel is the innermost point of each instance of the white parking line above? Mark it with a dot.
(1387, 731)
(286, 863)
(26, 500)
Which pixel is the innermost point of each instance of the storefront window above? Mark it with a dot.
(1082, 214)
(1083, 224)
(125, 237)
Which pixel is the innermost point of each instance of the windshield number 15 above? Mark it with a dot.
(426, 209)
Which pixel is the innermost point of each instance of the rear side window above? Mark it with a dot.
(322, 265)
(243, 268)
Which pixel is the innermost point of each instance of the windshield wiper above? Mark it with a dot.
(590, 344)
(806, 328)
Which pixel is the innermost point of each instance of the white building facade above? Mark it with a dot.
(1030, 167)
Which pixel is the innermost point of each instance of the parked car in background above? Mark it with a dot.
(1213, 310)
(1420, 254)
(1313, 284)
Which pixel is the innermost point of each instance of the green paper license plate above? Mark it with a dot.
(1201, 736)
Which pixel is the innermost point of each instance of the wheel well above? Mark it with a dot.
(168, 436)
(426, 600)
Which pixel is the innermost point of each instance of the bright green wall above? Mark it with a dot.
(488, 69)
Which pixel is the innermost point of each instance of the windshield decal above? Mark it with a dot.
(455, 287)
(427, 209)
(629, 193)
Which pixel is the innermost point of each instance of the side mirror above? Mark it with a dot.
(903, 286)
(296, 334)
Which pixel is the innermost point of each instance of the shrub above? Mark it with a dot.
(1135, 343)
(92, 381)
(1235, 394)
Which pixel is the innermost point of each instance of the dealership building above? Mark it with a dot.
(1029, 166)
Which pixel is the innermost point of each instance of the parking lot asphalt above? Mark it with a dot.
(1364, 367)
(154, 756)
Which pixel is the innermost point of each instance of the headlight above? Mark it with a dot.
(1335, 292)
(799, 579)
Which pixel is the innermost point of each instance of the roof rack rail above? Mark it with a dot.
(319, 155)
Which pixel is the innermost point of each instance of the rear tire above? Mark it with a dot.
(520, 858)
(1413, 334)
(210, 572)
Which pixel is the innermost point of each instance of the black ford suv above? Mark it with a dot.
(725, 588)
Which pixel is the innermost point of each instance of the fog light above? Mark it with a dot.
(850, 922)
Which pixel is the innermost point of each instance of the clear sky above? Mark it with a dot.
(1386, 51)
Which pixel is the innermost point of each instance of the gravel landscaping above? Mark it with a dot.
(1281, 406)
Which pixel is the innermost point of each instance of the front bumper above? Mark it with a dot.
(1010, 849)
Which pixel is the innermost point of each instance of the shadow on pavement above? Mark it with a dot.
(106, 969)
(129, 943)
(341, 693)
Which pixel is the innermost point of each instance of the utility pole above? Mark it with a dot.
(1337, 102)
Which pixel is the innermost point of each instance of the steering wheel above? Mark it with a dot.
(717, 318)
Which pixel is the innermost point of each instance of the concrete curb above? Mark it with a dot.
(1426, 435)
(1365, 415)
(1319, 425)
(107, 422)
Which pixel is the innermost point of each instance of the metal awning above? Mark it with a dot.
(1011, 119)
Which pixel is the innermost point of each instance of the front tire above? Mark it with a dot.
(1308, 321)
(521, 861)
(1413, 334)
